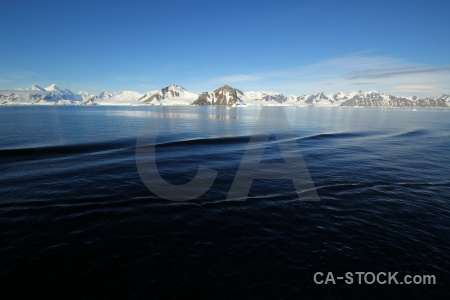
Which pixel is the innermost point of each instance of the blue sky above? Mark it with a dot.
(294, 47)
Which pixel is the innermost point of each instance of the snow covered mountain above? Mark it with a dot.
(36, 95)
(320, 99)
(87, 98)
(54, 88)
(445, 98)
(268, 98)
(115, 98)
(363, 99)
(35, 88)
(170, 95)
(374, 98)
(225, 95)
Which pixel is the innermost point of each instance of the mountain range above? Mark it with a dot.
(226, 95)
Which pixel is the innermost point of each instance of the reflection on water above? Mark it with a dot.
(173, 113)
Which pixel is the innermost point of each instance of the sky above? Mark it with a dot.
(294, 47)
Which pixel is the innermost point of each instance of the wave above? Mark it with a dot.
(337, 135)
(203, 141)
(412, 133)
(132, 143)
(258, 138)
(70, 149)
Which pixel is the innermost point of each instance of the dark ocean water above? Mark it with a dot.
(77, 221)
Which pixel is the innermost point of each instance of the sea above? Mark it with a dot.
(102, 202)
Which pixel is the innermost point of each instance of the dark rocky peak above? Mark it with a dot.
(228, 89)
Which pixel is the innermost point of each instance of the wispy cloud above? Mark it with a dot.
(383, 73)
(390, 74)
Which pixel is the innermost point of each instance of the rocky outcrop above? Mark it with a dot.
(226, 95)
